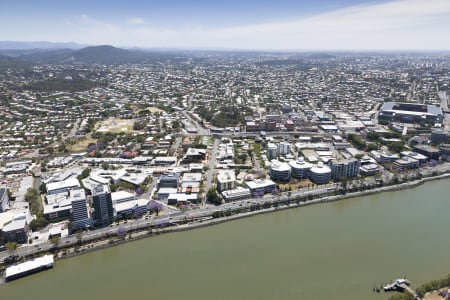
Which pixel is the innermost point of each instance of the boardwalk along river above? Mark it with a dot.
(336, 250)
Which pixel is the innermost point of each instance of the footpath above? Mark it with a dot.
(114, 240)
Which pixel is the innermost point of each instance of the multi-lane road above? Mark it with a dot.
(173, 218)
(180, 217)
(444, 105)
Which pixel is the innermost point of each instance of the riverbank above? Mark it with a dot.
(315, 252)
(112, 241)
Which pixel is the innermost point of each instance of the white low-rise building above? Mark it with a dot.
(369, 169)
(261, 186)
(164, 192)
(236, 194)
(62, 186)
(15, 225)
(137, 206)
(226, 180)
(122, 196)
(175, 199)
(420, 157)
(60, 205)
(407, 162)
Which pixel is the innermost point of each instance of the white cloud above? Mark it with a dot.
(136, 21)
(393, 25)
(399, 24)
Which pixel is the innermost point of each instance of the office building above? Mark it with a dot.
(261, 186)
(439, 136)
(62, 186)
(3, 199)
(194, 155)
(168, 180)
(226, 180)
(238, 193)
(103, 211)
(60, 205)
(122, 196)
(407, 162)
(300, 168)
(429, 151)
(284, 148)
(320, 174)
(17, 230)
(444, 150)
(280, 171)
(347, 168)
(369, 169)
(81, 217)
(272, 151)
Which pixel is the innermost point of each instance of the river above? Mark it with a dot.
(336, 250)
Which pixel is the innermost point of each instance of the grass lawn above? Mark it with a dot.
(81, 145)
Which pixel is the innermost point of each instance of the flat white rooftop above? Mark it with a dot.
(46, 260)
(129, 205)
(259, 183)
(65, 184)
(121, 196)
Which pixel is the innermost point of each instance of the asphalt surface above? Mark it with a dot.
(444, 105)
(178, 217)
(212, 165)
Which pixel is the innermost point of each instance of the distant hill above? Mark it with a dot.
(94, 55)
(7, 62)
(107, 55)
(47, 56)
(38, 45)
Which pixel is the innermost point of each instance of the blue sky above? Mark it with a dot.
(262, 24)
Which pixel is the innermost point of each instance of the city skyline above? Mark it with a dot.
(263, 25)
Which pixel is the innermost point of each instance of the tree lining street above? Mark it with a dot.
(304, 196)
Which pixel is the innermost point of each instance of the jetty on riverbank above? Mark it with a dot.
(144, 230)
(29, 267)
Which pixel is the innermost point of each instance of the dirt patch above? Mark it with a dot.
(151, 109)
(433, 296)
(116, 125)
(296, 185)
(81, 145)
